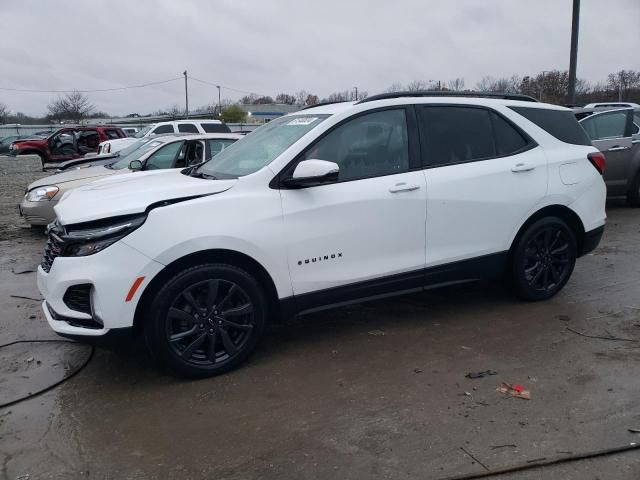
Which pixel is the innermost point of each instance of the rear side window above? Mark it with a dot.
(508, 140)
(187, 128)
(215, 128)
(606, 125)
(163, 129)
(559, 123)
(456, 134)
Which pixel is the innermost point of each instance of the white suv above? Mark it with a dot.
(163, 128)
(333, 204)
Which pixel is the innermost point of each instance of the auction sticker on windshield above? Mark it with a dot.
(303, 121)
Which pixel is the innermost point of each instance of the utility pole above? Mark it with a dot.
(356, 93)
(620, 87)
(573, 58)
(186, 94)
(219, 106)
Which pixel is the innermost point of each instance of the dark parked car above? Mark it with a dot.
(616, 133)
(66, 143)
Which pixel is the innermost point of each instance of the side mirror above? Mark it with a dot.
(135, 165)
(309, 173)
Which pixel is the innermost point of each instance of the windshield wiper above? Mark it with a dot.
(203, 175)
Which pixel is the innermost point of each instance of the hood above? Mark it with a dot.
(132, 193)
(72, 175)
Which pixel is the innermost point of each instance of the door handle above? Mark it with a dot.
(522, 167)
(404, 187)
(617, 148)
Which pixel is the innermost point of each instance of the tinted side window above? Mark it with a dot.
(559, 123)
(164, 157)
(455, 134)
(187, 128)
(163, 129)
(508, 139)
(606, 125)
(371, 145)
(215, 128)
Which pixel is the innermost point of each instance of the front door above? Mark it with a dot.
(363, 235)
(63, 145)
(611, 133)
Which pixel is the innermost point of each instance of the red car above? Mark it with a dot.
(66, 143)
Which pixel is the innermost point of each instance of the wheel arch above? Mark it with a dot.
(561, 211)
(230, 257)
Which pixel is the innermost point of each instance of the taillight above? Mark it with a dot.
(598, 160)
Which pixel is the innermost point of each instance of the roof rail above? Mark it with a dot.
(322, 104)
(449, 93)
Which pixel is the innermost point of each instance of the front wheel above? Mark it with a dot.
(543, 259)
(206, 320)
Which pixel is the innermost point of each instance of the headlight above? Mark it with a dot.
(91, 237)
(41, 194)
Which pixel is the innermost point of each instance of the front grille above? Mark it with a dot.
(78, 298)
(52, 249)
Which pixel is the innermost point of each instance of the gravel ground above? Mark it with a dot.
(13, 188)
(369, 391)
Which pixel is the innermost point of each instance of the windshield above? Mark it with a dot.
(140, 149)
(261, 147)
(143, 132)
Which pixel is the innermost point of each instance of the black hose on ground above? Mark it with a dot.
(54, 385)
(546, 462)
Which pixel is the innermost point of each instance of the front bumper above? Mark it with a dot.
(38, 213)
(111, 274)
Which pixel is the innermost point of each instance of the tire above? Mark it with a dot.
(542, 259)
(206, 320)
(633, 196)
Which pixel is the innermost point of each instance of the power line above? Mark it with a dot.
(225, 87)
(142, 85)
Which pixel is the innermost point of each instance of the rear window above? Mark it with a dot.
(559, 123)
(215, 128)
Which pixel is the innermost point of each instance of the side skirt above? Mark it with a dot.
(470, 270)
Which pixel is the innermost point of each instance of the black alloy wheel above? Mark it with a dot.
(543, 259)
(206, 320)
(210, 322)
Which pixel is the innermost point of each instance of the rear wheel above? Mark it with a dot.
(206, 320)
(543, 259)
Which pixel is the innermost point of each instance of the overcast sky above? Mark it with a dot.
(272, 46)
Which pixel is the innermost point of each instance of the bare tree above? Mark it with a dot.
(394, 87)
(456, 84)
(73, 106)
(301, 97)
(286, 99)
(4, 112)
(623, 81)
(417, 85)
(312, 100)
(502, 84)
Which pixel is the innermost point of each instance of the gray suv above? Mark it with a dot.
(616, 133)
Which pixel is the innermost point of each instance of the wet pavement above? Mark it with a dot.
(370, 391)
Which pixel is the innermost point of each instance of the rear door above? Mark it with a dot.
(484, 177)
(611, 133)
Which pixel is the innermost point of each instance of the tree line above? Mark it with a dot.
(546, 86)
